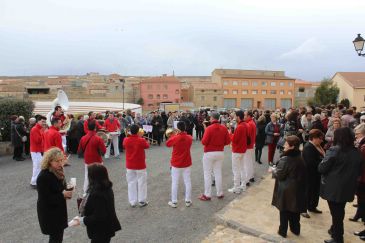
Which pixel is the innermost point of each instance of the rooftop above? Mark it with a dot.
(355, 79)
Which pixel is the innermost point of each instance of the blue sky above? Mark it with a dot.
(307, 39)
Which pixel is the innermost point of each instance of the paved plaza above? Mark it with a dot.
(155, 223)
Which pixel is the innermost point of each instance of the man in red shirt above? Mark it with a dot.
(136, 167)
(93, 147)
(36, 148)
(92, 117)
(239, 147)
(214, 139)
(250, 153)
(180, 163)
(52, 137)
(112, 125)
(59, 113)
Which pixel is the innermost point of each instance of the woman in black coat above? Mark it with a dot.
(260, 138)
(289, 191)
(340, 169)
(51, 204)
(97, 209)
(18, 132)
(313, 154)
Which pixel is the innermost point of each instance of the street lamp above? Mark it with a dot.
(122, 81)
(359, 45)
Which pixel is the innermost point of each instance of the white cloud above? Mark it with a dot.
(308, 49)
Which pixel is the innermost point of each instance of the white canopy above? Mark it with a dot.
(43, 107)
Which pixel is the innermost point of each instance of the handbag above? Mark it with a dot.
(80, 152)
(23, 138)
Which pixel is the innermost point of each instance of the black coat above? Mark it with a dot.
(260, 135)
(312, 158)
(100, 218)
(340, 171)
(17, 138)
(157, 125)
(51, 204)
(289, 191)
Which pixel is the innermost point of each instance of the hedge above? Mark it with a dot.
(10, 107)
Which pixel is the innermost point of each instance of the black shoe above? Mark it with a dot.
(360, 233)
(315, 210)
(20, 159)
(297, 233)
(248, 184)
(305, 215)
(362, 238)
(259, 162)
(281, 234)
(354, 219)
(252, 180)
(330, 241)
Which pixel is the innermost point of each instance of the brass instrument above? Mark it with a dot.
(170, 131)
(61, 100)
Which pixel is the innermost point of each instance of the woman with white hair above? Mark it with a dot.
(317, 123)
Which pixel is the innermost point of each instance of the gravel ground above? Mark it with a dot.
(155, 223)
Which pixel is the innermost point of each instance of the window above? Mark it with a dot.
(229, 103)
(301, 89)
(254, 91)
(244, 91)
(244, 83)
(225, 83)
(214, 98)
(285, 103)
(246, 103)
(150, 96)
(289, 92)
(225, 92)
(177, 91)
(281, 92)
(273, 83)
(263, 83)
(234, 92)
(158, 96)
(234, 83)
(165, 96)
(281, 83)
(290, 84)
(202, 90)
(254, 83)
(202, 98)
(272, 91)
(263, 91)
(270, 104)
(215, 91)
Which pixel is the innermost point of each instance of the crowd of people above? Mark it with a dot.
(319, 156)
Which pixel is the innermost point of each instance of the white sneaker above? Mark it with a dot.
(235, 190)
(172, 204)
(188, 203)
(242, 187)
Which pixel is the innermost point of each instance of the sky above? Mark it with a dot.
(309, 40)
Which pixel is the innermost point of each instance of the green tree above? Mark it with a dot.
(140, 101)
(10, 107)
(345, 102)
(326, 93)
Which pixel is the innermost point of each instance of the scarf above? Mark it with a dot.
(60, 174)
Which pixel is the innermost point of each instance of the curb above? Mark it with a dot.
(249, 231)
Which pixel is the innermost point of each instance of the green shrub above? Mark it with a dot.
(10, 107)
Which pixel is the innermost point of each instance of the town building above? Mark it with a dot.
(155, 90)
(254, 89)
(206, 95)
(352, 87)
(304, 92)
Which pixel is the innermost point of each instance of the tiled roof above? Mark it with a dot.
(355, 79)
(161, 79)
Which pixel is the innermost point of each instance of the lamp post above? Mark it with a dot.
(122, 80)
(359, 45)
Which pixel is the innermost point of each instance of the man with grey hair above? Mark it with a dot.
(214, 139)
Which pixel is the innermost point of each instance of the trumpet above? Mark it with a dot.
(171, 131)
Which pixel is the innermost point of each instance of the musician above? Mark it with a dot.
(92, 116)
(180, 163)
(136, 167)
(112, 125)
(214, 139)
(239, 147)
(52, 137)
(251, 139)
(36, 148)
(58, 113)
(93, 147)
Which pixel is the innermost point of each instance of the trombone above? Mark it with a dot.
(171, 131)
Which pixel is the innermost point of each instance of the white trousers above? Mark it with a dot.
(175, 176)
(115, 141)
(137, 186)
(212, 161)
(86, 179)
(249, 163)
(64, 142)
(37, 160)
(238, 169)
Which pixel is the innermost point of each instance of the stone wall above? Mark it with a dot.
(6, 148)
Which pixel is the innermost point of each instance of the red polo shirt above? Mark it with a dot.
(181, 144)
(135, 155)
(93, 147)
(36, 139)
(239, 138)
(52, 138)
(215, 137)
(251, 132)
(112, 125)
(86, 123)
